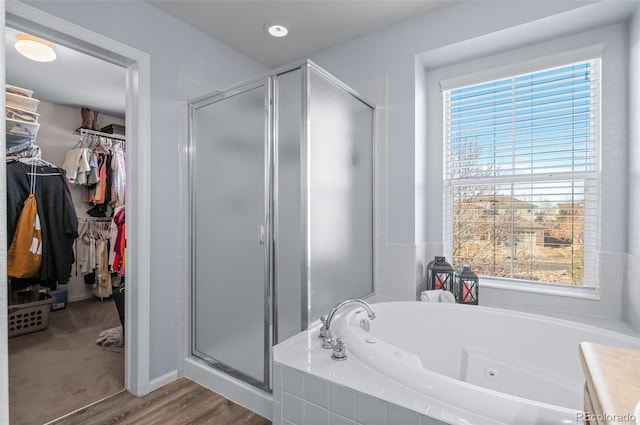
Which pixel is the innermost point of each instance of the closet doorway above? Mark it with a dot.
(79, 113)
(135, 70)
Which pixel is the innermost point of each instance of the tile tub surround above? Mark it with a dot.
(309, 388)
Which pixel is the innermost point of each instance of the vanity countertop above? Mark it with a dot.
(612, 382)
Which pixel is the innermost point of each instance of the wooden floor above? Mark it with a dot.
(181, 402)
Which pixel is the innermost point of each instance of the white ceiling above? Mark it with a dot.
(75, 79)
(313, 25)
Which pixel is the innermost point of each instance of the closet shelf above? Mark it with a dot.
(83, 131)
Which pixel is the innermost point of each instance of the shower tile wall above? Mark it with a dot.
(617, 299)
(183, 246)
(395, 263)
(399, 267)
(395, 271)
(425, 252)
(182, 260)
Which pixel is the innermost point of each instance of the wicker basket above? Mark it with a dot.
(29, 317)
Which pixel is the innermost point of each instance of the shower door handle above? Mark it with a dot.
(261, 234)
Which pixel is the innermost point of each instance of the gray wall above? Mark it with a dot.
(172, 46)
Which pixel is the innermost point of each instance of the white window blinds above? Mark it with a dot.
(521, 175)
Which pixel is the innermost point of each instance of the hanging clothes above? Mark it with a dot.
(57, 216)
(95, 255)
(76, 165)
(100, 188)
(99, 164)
(101, 243)
(102, 286)
(113, 237)
(119, 176)
(83, 244)
(120, 242)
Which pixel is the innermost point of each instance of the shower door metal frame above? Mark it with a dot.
(270, 81)
(269, 251)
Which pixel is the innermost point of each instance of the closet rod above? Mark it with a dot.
(105, 219)
(16, 150)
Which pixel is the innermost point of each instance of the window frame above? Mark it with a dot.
(590, 287)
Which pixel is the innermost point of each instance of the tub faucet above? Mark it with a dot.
(327, 341)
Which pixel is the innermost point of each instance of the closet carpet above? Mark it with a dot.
(61, 369)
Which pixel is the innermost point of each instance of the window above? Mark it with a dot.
(521, 175)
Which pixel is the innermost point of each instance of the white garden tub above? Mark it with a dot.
(508, 367)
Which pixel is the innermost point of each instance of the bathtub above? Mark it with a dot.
(503, 366)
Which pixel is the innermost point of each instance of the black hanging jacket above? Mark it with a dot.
(57, 213)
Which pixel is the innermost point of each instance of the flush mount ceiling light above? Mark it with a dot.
(35, 48)
(276, 29)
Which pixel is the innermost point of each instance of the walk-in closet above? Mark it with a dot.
(66, 230)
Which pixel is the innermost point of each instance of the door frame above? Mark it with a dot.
(137, 65)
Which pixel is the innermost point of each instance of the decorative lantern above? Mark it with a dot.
(465, 286)
(439, 275)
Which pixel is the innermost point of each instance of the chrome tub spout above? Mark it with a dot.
(327, 341)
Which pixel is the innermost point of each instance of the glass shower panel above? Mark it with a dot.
(229, 227)
(290, 247)
(340, 195)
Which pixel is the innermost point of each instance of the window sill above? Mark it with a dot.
(588, 293)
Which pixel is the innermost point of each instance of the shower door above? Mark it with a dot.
(230, 227)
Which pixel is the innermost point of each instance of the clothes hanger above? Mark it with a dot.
(36, 160)
(118, 145)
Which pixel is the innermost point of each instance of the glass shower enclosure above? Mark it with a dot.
(281, 210)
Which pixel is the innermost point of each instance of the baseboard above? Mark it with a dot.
(163, 380)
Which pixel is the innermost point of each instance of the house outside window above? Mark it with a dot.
(521, 174)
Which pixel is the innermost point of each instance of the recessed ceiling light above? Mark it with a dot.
(35, 48)
(276, 29)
